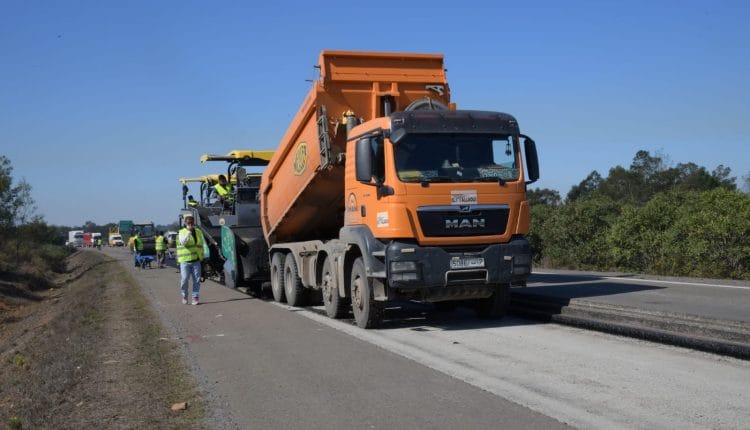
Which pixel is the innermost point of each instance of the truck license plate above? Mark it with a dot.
(467, 262)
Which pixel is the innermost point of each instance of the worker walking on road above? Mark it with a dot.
(137, 248)
(161, 249)
(189, 256)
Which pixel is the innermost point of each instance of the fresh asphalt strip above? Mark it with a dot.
(730, 338)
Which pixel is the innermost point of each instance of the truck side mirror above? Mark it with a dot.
(363, 160)
(532, 160)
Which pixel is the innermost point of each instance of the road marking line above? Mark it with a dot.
(617, 278)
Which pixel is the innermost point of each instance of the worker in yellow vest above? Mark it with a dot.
(189, 256)
(161, 249)
(224, 192)
(137, 247)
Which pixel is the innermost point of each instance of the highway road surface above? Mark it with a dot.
(266, 365)
(723, 300)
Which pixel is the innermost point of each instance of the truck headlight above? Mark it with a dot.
(403, 266)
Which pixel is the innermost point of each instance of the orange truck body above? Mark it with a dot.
(370, 233)
(303, 195)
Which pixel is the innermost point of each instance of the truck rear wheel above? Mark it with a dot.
(367, 312)
(277, 277)
(336, 306)
(295, 292)
(495, 306)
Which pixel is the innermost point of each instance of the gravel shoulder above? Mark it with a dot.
(89, 353)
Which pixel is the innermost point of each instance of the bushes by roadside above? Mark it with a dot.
(30, 252)
(677, 233)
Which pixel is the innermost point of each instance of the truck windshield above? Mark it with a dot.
(457, 158)
(145, 230)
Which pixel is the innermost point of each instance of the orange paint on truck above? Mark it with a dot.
(380, 190)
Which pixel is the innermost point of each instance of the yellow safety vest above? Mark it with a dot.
(138, 244)
(224, 192)
(160, 245)
(192, 250)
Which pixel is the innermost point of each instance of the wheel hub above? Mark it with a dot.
(327, 290)
(357, 293)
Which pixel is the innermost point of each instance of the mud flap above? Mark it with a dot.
(230, 257)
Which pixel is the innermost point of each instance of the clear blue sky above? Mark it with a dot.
(105, 104)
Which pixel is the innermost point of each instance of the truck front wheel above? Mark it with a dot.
(336, 306)
(367, 312)
(495, 306)
(277, 277)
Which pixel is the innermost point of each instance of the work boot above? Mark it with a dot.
(195, 300)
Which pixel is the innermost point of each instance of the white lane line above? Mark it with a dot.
(617, 278)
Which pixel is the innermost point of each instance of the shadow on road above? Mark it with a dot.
(568, 287)
(203, 303)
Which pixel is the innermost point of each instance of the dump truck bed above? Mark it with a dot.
(302, 191)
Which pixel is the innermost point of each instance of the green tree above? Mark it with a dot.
(16, 204)
(639, 237)
(543, 196)
(541, 215)
(711, 235)
(746, 184)
(585, 188)
(575, 235)
(649, 174)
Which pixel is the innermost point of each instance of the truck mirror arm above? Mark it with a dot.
(381, 189)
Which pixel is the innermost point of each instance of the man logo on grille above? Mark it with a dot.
(455, 223)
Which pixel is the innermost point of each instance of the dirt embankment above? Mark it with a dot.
(88, 353)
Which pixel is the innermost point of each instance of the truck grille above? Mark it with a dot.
(468, 220)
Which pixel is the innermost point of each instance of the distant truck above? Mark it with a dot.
(115, 239)
(171, 237)
(89, 239)
(75, 238)
(147, 234)
(381, 191)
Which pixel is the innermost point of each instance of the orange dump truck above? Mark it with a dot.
(381, 191)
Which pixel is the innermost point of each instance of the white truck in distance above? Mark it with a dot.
(75, 238)
(115, 239)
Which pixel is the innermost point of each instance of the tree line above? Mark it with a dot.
(652, 218)
(680, 220)
(28, 242)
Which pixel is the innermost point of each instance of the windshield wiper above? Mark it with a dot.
(497, 179)
(425, 180)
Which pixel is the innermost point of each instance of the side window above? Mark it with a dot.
(378, 158)
(502, 152)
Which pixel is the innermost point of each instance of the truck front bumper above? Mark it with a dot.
(412, 267)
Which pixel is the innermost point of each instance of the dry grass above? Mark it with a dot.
(87, 354)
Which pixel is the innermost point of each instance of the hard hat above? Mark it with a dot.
(188, 215)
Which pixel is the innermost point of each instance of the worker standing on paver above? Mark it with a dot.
(224, 192)
(189, 256)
